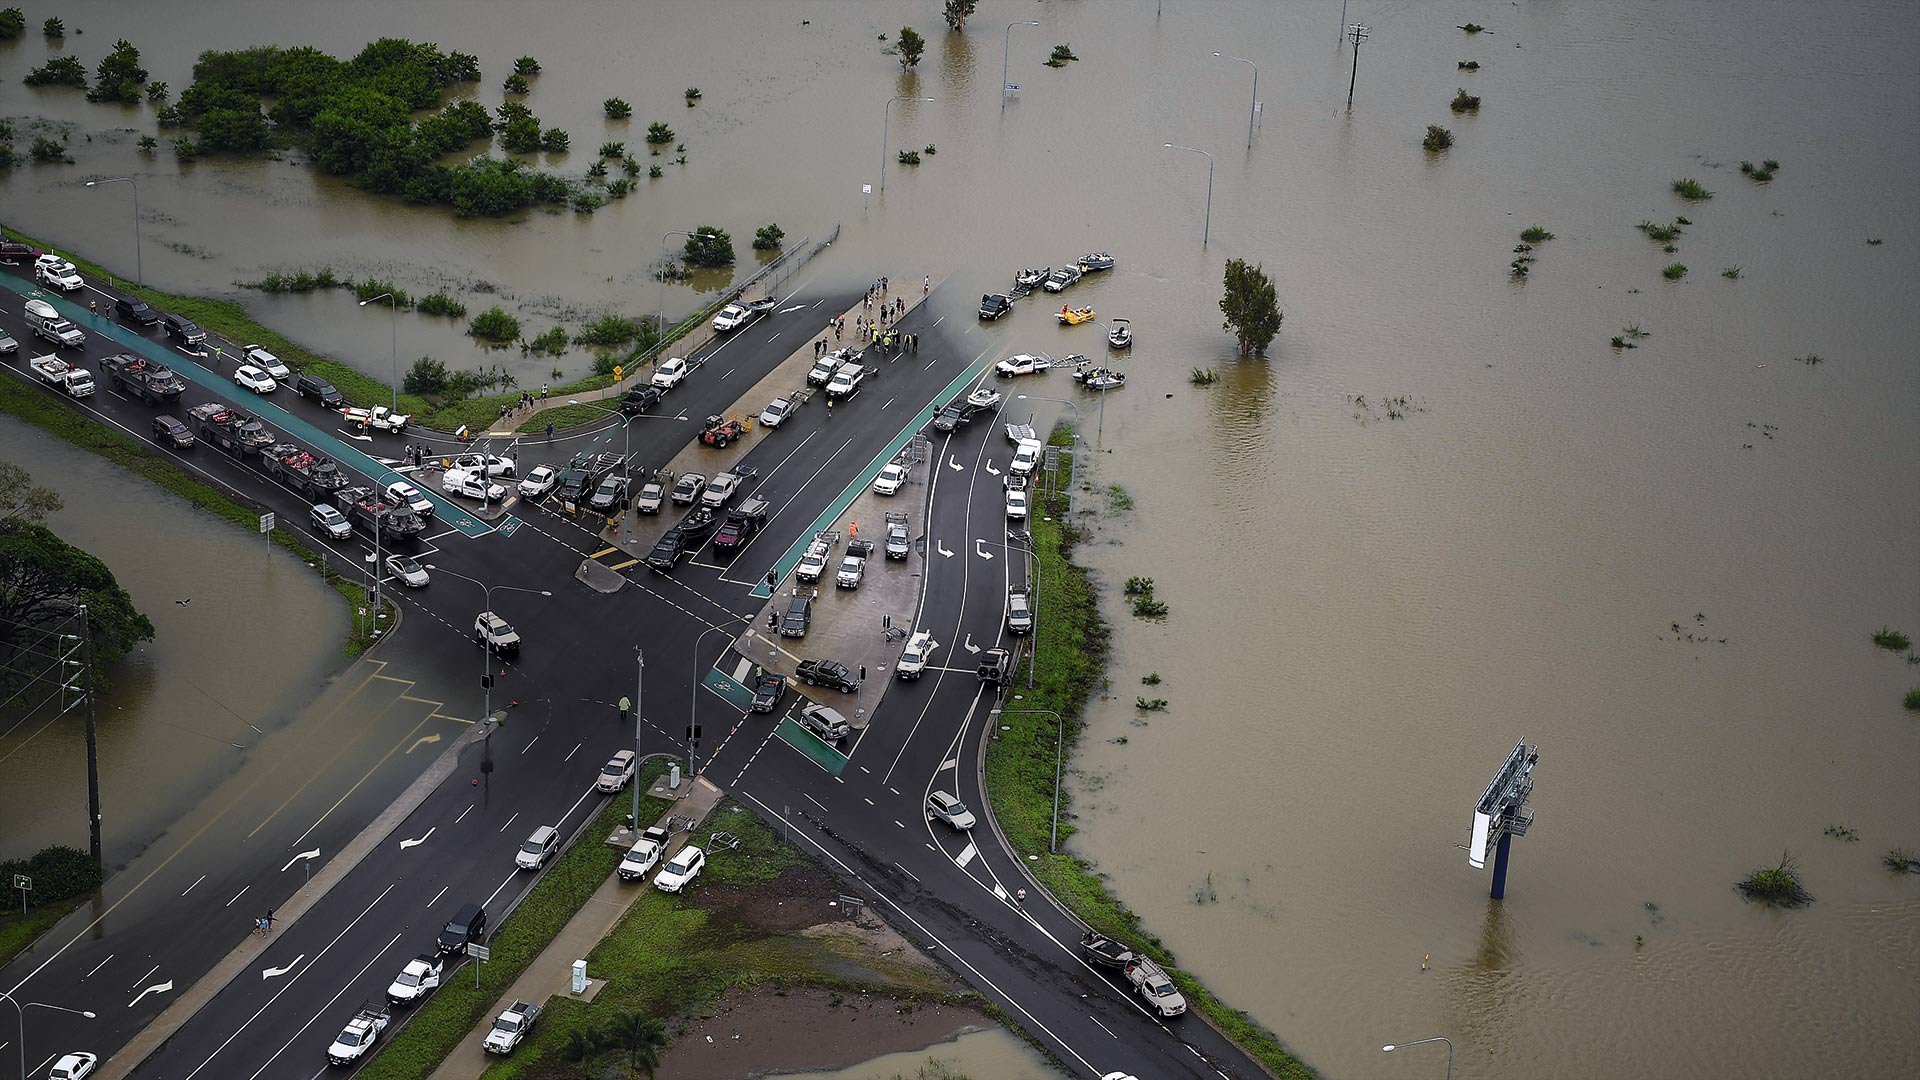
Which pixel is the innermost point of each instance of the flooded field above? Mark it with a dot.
(1443, 514)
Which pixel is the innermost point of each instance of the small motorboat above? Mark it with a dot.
(1096, 260)
(1030, 277)
(1061, 278)
(1074, 316)
(1098, 378)
(1105, 951)
(1121, 336)
(985, 397)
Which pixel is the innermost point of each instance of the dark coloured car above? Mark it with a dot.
(667, 550)
(319, 389)
(829, 673)
(183, 331)
(14, 254)
(952, 415)
(994, 305)
(469, 924)
(168, 431)
(135, 310)
(611, 495)
(767, 691)
(798, 616)
(640, 399)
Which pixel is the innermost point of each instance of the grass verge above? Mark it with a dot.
(1071, 646)
(458, 1007)
(670, 956)
(40, 409)
(17, 932)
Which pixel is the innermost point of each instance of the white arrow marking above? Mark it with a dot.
(314, 854)
(969, 645)
(990, 469)
(980, 549)
(954, 463)
(156, 988)
(795, 307)
(274, 973)
(942, 549)
(405, 844)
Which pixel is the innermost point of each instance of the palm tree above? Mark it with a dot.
(582, 1045)
(641, 1037)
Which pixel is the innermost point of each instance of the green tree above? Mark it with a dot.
(426, 376)
(23, 500)
(956, 13)
(521, 135)
(617, 108)
(119, 76)
(555, 140)
(516, 83)
(526, 65)
(233, 130)
(1251, 306)
(708, 246)
(58, 71)
(54, 28)
(639, 1037)
(659, 134)
(494, 325)
(13, 23)
(42, 579)
(911, 45)
(768, 238)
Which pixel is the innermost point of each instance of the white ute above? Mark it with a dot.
(420, 977)
(644, 855)
(359, 1035)
(914, 658)
(76, 381)
(510, 1027)
(1153, 984)
(47, 323)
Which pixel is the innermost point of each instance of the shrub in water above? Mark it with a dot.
(1438, 138)
(617, 108)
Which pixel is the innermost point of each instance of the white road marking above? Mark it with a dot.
(980, 549)
(966, 857)
(274, 973)
(529, 746)
(463, 815)
(405, 844)
(896, 821)
(144, 978)
(1000, 891)
(888, 402)
(511, 820)
(196, 881)
(1103, 1027)
(991, 471)
(970, 647)
(508, 880)
(156, 988)
(96, 968)
(575, 750)
(908, 872)
(937, 322)
(438, 895)
(942, 549)
(322, 1010)
(815, 801)
(954, 464)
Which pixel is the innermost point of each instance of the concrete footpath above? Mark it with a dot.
(551, 973)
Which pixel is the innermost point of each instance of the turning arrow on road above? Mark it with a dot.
(405, 844)
(423, 740)
(942, 549)
(969, 645)
(954, 464)
(990, 469)
(980, 549)
(314, 854)
(351, 435)
(274, 973)
(795, 307)
(156, 988)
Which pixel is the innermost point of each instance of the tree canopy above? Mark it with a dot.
(911, 46)
(42, 580)
(1251, 306)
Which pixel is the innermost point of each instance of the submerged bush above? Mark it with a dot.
(1888, 638)
(1535, 234)
(1776, 886)
(1438, 138)
(1691, 190)
(494, 325)
(1464, 102)
(1674, 271)
(617, 108)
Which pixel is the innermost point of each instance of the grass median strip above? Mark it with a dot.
(36, 407)
(1072, 648)
(458, 1007)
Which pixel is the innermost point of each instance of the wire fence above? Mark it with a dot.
(696, 331)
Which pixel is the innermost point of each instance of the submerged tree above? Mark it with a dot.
(911, 46)
(1251, 306)
(956, 13)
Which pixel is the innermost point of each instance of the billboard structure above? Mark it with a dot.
(1502, 814)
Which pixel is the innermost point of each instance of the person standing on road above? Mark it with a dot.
(926, 286)
(549, 431)
(829, 408)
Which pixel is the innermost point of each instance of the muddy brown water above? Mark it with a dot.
(258, 636)
(1367, 612)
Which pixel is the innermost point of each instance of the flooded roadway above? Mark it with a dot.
(1366, 612)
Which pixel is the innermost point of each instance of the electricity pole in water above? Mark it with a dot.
(1359, 34)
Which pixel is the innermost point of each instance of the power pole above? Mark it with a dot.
(639, 675)
(93, 745)
(1358, 34)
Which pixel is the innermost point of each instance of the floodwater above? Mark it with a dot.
(1367, 612)
(977, 1055)
(259, 634)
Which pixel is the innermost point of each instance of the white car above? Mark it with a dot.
(51, 269)
(890, 478)
(652, 494)
(1017, 503)
(644, 855)
(732, 317)
(495, 464)
(410, 497)
(914, 658)
(1026, 457)
(616, 773)
(7, 344)
(1021, 364)
(408, 571)
(721, 488)
(540, 481)
(462, 482)
(495, 633)
(681, 869)
(331, 521)
(669, 372)
(420, 977)
(73, 1066)
(254, 379)
(688, 488)
(267, 362)
(776, 412)
(950, 809)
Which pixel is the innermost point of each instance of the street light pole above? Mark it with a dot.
(639, 680)
(1391, 1047)
(486, 652)
(693, 694)
(139, 275)
(1006, 46)
(886, 118)
(1059, 748)
(662, 343)
(1359, 34)
(1254, 105)
(393, 340)
(20, 1013)
(626, 434)
(1206, 230)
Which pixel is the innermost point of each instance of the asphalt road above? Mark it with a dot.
(955, 893)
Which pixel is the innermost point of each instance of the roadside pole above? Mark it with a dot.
(639, 676)
(93, 745)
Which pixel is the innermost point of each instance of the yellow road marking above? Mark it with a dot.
(624, 565)
(603, 551)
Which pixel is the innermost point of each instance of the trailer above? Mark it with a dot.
(137, 376)
(305, 472)
(372, 513)
(229, 429)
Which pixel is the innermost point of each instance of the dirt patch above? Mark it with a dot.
(800, 897)
(760, 1031)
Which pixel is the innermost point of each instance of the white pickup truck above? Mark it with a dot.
(48, 323)
(379, 418)
(359, 1035)
(76, 381)
(1152, 982)
(510, 1027)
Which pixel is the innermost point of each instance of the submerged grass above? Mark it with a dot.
(1535, 234)
(1776, 886)
(1691, 190)
(1674, 271)
(1888, 638)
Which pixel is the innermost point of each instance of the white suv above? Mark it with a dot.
(914, 658)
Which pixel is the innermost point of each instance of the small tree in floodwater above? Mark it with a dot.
(1251, 307)
(910, 47)
(956, 13)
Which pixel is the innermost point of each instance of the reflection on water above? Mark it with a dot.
(1366, 611)
(249, 648)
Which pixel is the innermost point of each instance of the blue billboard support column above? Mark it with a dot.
(1500, 866)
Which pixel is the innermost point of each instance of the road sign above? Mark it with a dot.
(266, 524)
(866, 189)
(618, 371)
(23, 882)
(1013, 87)
(479, 951)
